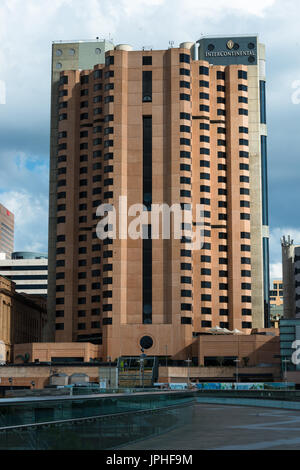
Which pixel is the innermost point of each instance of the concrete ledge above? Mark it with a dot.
(288, 405)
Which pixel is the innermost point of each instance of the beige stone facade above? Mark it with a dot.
(21, 318)
(202, 132)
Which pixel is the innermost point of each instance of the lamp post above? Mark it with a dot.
(237, 370)
(33, 384)
(142, 374)
(188, 361)
(285, 370)
(109, 380)
(10, 381)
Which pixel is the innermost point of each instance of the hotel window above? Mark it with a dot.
(221, 88)
(147, 60)
(97, 74)
(243, 112)
(244, 204)
(245, 260)
(185, 72)
(107, 99)
(97, 87)
(185, 154)
(204, 163)
(147, 86)
(206, 324)
(224, 312)
(242, 74)
(223, 273)
(204, 201)
(204, 138)
(204, 83)
(246, 312)
(184, 84)
(185, 180)
(245, 216)
(244, 166)
(186, 293)
(203, 70)
(109, 60)
(221, 112)
(185, 129)
(186, 307)
(186, 320)
(243, 99)
(204, 126)
(185, 58)
(244, 179)
(221, 100)
(185, 97)
(59, 326)
(242, 87)
(205, 272)
(245, 248)
(246, 273)
(186, 116)
(220, 75)
(109, 74)
(203, 96)
(203, 107)
(84, 79)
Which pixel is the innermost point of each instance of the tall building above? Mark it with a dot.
(68, 55)
(160, 127)
(29, 272)
(291, 278)
(7, 227)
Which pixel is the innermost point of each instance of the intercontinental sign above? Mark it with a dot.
(230, 54)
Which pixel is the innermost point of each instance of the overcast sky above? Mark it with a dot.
(27, 28)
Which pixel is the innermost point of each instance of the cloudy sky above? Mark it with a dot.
(27, 28)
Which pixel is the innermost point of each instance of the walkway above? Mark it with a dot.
(231, 428)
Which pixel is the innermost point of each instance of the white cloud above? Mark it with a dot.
(31, 216)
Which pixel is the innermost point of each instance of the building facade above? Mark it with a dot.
(159, 127)
(276, 303)
(28, 270)
(291, 278)
(7, 227)
(21, 319)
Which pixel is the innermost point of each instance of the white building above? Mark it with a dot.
(28, 270)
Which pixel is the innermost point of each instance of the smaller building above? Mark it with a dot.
(21, 319)
(291, 278)
(7, 227)
(276, 303)
(28, 270)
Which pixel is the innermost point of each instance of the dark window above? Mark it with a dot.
(147, 60)
(147, 86)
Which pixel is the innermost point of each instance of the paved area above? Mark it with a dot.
(218, 427)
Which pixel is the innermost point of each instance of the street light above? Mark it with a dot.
(109, 380)
(33, 384)
(237, 369)
(285, 370)
(10, 381)
(188, 363)
(142, 373)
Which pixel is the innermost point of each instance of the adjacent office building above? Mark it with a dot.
(276, 303)
(291, 278)
(29, 272)
(180, 126)
(7, 225)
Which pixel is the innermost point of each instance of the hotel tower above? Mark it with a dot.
(181, 126)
